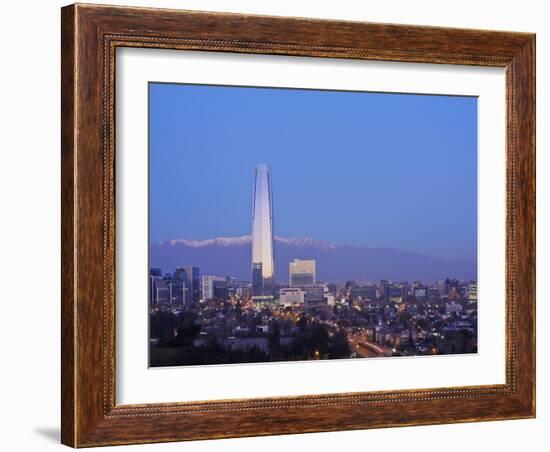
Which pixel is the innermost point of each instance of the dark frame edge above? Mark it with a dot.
(524, 68)
(68, 296)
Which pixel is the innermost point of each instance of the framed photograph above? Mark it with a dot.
(281, 225)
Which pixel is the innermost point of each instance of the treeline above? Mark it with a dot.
(176, 336)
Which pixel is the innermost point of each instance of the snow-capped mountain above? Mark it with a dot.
(305, 242)
(247, 240)
(231, 256)
(217, 241)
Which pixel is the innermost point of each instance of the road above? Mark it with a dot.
(367, 349)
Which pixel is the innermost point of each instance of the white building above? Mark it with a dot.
(291, 296)
(472, 291)
(208, 285)
(331, 301)
(302, 273)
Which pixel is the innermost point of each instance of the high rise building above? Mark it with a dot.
(420, 292)
(168, 281)
(263, 269)
(396, 293)
(472, 291)
(155, 272)
(383, 287)
(179, 292)
(301, 273)
(363, 292)
(209, 285)
(192, 284)
(159, 294)
(317, 295)
(451, 284)
(186, 286)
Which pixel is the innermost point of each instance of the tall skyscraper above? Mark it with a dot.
(192, 284)
(186, 286)
(301, 273)
(158, 290)
(179, 293)
(263, 269)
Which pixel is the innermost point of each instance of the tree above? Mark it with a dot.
(320, 343)
(162, 324)
(339, 346)
(186, 335)
(274, 340)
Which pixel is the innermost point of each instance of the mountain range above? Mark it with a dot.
(230, 256)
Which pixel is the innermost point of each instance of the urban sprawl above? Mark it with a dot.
(216, 319)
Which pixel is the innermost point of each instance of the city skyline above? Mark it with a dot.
(365, 175)
(213, 319)
(307, 319)
(376, 176)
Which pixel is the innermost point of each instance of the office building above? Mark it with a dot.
(291, 296)
(302, 273)
(420, 292)
(159, 294)
(364, 293)
(186, 286)
(179, 288)
(472, 291)
(395, 293)
(208, 285)
(193, 285)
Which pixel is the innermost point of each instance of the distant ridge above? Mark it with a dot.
(231, 256)
(246, 240)
(217, 241)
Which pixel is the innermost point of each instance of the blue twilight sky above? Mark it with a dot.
(356, 168)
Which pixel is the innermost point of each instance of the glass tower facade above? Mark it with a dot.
(263, 270)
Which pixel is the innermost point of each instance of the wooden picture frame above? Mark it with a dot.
(90, 35)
